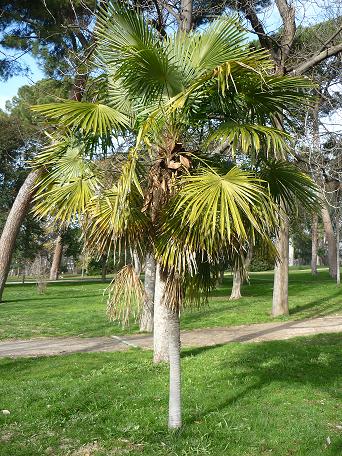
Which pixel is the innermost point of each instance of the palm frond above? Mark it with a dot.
(68, 185)
(248, 138)
(290, 186)
(95, 118)
(125, 296)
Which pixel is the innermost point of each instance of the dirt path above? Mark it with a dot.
(194, 338)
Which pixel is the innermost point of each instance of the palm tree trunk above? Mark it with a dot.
(175, 417)
(280, 305)
(13, 223)
(146, 319)
(57, 258)
(329, 234)
(136, 262)
(236, 289)
(161, 320)
(314, 246)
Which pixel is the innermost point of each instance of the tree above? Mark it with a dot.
(281, 47)
(61, 37)
(160, 87)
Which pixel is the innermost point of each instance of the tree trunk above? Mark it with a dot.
(137, 264)
(161, 320)
(249, 257)
(146, 319)
(175, 417)
(314, 247)
(329, 234)
(57, 258)
(236, 289)
(12, 226)
(186, 15)
(280, 304)
(338, 274)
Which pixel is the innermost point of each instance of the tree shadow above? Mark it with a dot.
(47, 298)
(325, 308)
(312, 360)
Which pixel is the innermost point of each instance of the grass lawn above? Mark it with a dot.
(79, 308)
(281, 398)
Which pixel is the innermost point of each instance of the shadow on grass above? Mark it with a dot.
(315, 361)
(324, 307)
(61, 283)
(46, 297)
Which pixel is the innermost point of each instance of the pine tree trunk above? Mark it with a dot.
(175, 416)
(186, 15)
(161, 320)
(12, 226)
(57, 258)
(146, 319)
(314, 246)
(338, 272)
(329, 234)
(280, 304)
(236, 289)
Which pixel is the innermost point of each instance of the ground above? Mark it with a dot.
(78, 309)
(279, 398)
(271, 398)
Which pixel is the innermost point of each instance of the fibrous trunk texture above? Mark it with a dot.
(280, 304)
(175, 417)
(236, 289)
(314, 244)
(146, 319)
(161, 320)
(57, 258)
(330, 237)
(13, 223)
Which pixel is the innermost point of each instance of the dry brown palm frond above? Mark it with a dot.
(125, 296)
(174, 291)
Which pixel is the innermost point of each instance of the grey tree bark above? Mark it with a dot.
(186, 15)
(175, 416)
(13, 223)
(57, 258)
(239, 277)
(161, 320)
(236, 288)
(338, 272)
(314, 244)
(331, 240)
(280, 304)
(146, 319)
(136, 261)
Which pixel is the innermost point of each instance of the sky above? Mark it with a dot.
(307, 12)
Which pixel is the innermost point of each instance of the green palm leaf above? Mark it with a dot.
(248, 138)
(289, 185)
(95, 118)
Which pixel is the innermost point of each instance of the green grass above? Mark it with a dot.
(78, 309)
(281, 398)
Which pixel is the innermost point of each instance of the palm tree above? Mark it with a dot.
(161, 89)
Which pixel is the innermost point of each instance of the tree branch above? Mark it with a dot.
(315, 59)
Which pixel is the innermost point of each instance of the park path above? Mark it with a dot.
(195, 338)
